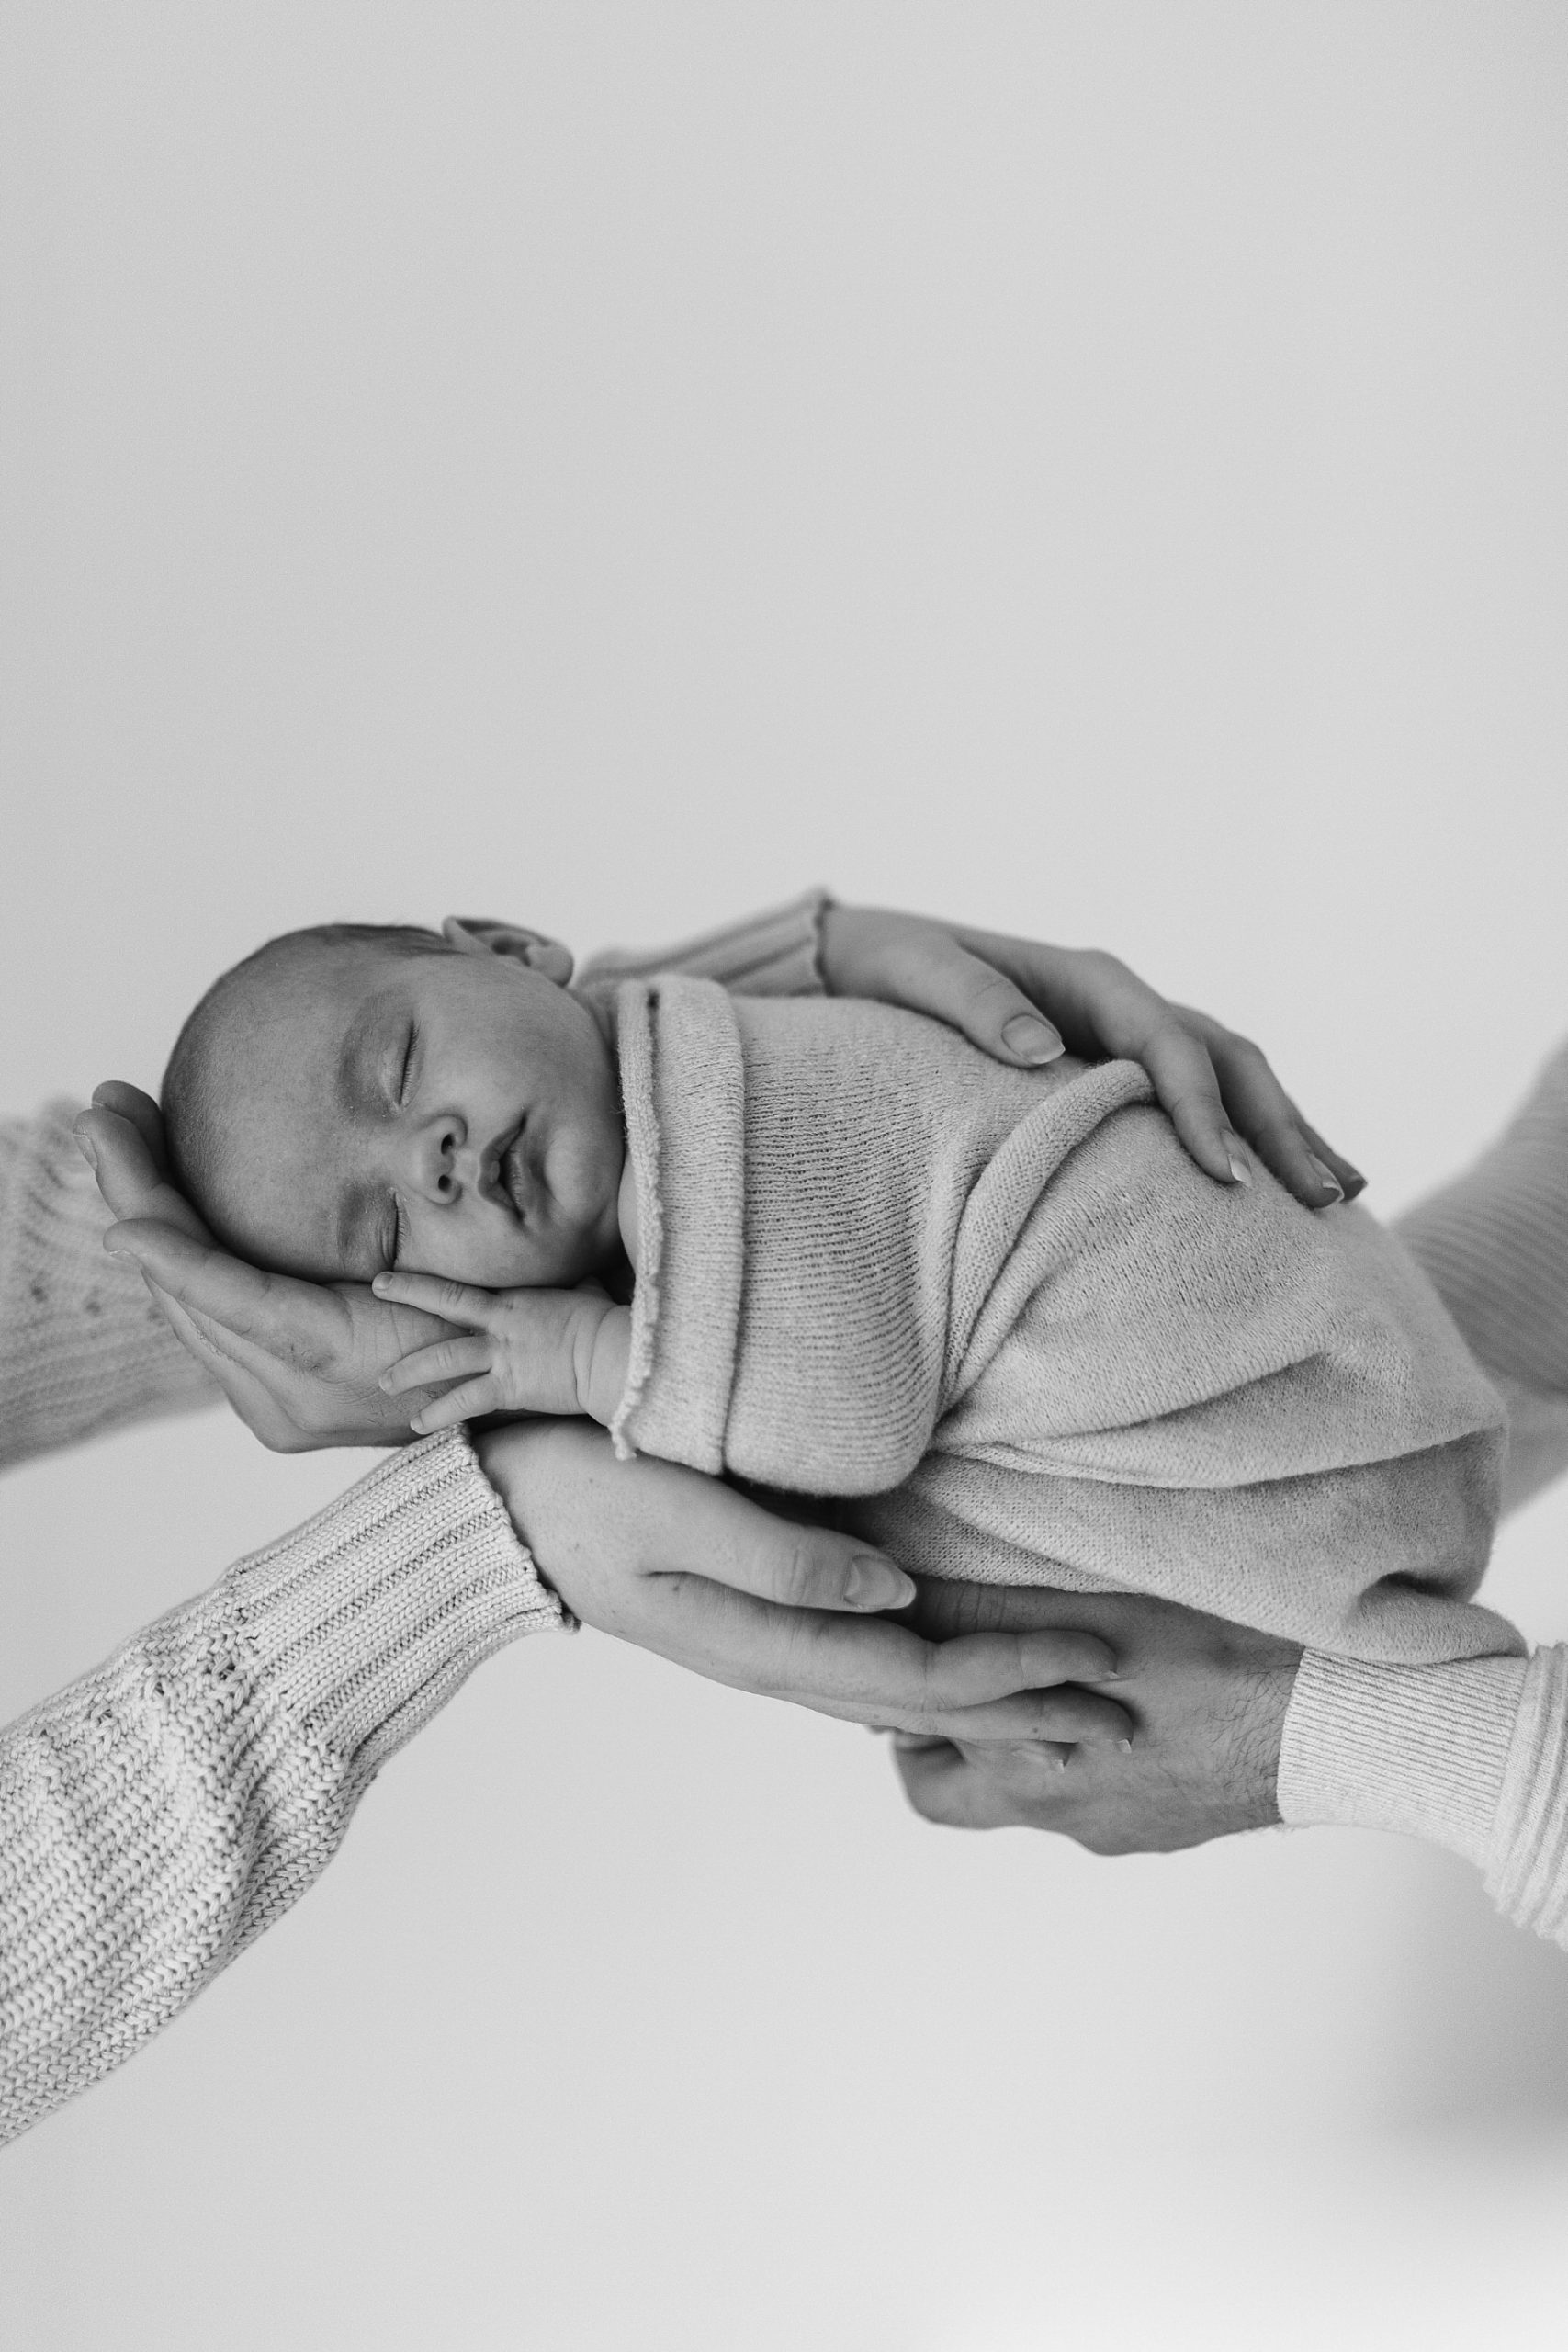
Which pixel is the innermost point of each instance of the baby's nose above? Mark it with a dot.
(450, 1162)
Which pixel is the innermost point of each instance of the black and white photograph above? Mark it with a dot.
(784, 1176)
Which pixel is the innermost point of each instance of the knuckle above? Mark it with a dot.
(1100, 964)
(797, 1577)
(984, 989)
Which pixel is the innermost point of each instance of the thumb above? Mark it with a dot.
(206, 1281)
(130, 1175)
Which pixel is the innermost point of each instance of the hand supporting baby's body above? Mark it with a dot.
(564, 1352)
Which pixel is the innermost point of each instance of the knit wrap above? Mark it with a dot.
(1006, 1318)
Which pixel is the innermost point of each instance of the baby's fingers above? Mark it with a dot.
(453, 1301)
(447, 1359)
(466, 1404)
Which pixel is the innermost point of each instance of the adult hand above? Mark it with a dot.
(1208, 1700)
(683, 1565)
(299, 1361)
(1215, 1084)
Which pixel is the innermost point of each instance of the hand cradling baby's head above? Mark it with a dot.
(354, 1097)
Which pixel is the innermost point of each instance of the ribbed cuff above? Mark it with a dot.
(776, 953)
(1415, 1748)
(1528, 1871)
(370, 1615)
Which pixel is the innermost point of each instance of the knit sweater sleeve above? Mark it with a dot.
(81, 1346)
(774, 954)
(163, 1811)
(1472, 1755)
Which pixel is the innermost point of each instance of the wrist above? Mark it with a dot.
(1256, 1733)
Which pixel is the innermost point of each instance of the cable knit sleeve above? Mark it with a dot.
(81, 1346)
(162, 1812)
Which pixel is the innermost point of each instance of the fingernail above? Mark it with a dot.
(85, 1146)
(1030, 1039)
(1110, 1671)
(1237, 1155)
(1125, 1745)
(875, 1583)
(1327, 1179)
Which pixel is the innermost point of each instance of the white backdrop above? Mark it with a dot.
(1097, 470)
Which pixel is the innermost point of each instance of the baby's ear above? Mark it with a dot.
(479, 936)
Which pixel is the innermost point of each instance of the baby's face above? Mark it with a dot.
(450, 1115)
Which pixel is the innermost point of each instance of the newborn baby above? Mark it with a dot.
(999, 1313)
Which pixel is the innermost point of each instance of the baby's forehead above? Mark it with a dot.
(310, 975)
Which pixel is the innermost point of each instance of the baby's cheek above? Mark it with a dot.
(485, 1251)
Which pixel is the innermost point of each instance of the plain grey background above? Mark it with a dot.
(1095, 469)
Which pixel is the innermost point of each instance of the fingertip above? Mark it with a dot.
(1212, 1151)
(1236, 1158)
(1031, 1041)
(873, 1582)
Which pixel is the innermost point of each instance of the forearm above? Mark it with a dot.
(81, 1346)
(162, 1812)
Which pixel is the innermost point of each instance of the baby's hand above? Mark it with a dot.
(561, 1352)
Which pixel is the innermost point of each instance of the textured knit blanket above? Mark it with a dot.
(1006, 1312)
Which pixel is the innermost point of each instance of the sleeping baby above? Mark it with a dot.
(828, 1246)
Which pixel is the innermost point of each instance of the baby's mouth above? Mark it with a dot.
(515, 1181)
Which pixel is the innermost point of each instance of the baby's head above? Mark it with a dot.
(359, 1096)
